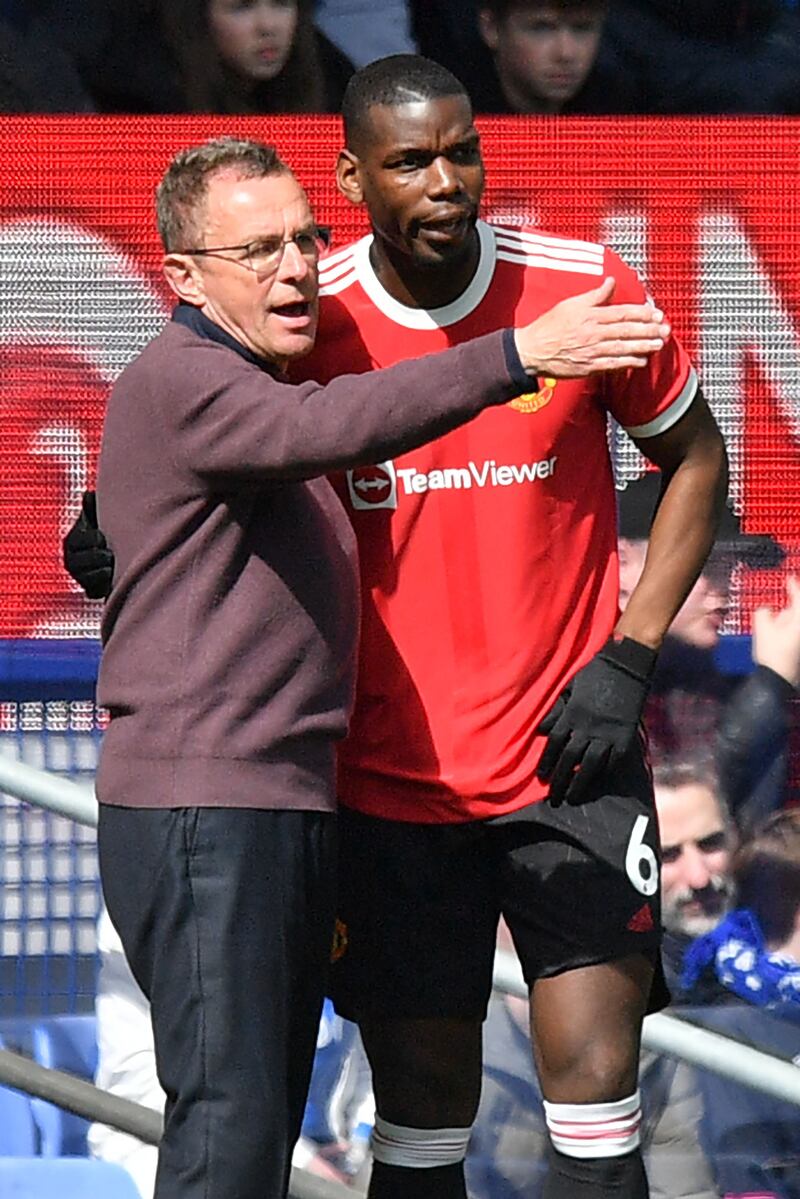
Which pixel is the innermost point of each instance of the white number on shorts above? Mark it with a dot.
(639, 855)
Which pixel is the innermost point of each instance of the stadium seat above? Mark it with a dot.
(17, 1130)
(64, 1178)
(64, 1043)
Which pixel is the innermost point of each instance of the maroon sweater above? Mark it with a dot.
(230, 633)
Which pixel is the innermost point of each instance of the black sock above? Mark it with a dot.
(595, 1177)
(402, 1182)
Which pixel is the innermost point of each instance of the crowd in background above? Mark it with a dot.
(515, 56)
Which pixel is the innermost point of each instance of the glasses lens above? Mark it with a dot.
(264, 256)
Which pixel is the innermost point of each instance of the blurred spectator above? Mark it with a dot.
(119, 51)
(697, 844)
(263, 56)
(709, 56)
(14, 12)
(754, 954)
(692, 705)
(218, 56)
(339, 1113)
(755, 951)
(363, 31)
(508, 1147)
(126, 1062)
(546, 59)
(447, 31)
(36, 76)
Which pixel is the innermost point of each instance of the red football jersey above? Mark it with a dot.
(488, 558)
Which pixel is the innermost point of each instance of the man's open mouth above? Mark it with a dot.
(298, 309)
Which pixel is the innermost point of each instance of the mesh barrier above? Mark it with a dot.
(702, 208)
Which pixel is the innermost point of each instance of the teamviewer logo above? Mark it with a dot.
(373, 486)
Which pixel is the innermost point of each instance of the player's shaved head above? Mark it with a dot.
(390, 82)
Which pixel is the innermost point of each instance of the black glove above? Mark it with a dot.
(595, 721)
(86, 554)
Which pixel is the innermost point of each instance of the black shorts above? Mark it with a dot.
(419, 904)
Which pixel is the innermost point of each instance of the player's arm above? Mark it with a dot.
(595, 721)
(694, 468)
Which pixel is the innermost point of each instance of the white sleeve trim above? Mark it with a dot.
(670, 416)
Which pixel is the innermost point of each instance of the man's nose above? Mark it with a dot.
(695, 868)
(293, 264)
(443, 177)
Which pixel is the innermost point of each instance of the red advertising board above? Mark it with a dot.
(706, 210)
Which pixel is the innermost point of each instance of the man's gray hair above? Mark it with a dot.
(181, 194)
(697, 770)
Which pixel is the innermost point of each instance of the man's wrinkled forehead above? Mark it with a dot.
(245, 209)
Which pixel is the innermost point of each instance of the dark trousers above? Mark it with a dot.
(226, 918)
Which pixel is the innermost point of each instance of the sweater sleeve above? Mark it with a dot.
(232, 421)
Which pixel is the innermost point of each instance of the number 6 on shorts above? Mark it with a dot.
(639, 856)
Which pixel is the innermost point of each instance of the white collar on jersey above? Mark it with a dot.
(429, 318)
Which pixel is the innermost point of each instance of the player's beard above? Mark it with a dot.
(447, 255)
(714, 900)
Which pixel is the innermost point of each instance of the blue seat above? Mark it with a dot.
(18, 1136)
(64, 1178)
(64, 1043)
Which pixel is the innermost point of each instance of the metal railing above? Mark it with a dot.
(85, 1099)
(662, 1033)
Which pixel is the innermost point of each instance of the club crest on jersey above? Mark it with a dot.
(534, 400)
(373, 486)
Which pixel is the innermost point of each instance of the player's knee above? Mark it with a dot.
(428, 1102)
(593, 1073)
(428, 1088)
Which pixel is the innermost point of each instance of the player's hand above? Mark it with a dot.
(776, 635)
(86, 554)
(595, 721)
(586, 335)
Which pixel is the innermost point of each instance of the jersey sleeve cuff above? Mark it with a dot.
(670, 416)
(519, 376)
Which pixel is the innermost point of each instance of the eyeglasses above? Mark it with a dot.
(264, 256)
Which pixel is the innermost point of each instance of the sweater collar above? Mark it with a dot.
(192, 318)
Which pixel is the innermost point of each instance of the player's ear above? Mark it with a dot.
(184, 277)
(348, 177)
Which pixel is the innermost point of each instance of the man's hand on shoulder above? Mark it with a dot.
(586, 335)
(595, 721)
(86, 555)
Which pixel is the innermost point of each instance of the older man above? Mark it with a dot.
(229, 639)
(697, 843)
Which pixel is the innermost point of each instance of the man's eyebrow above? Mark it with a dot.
(468, 141)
